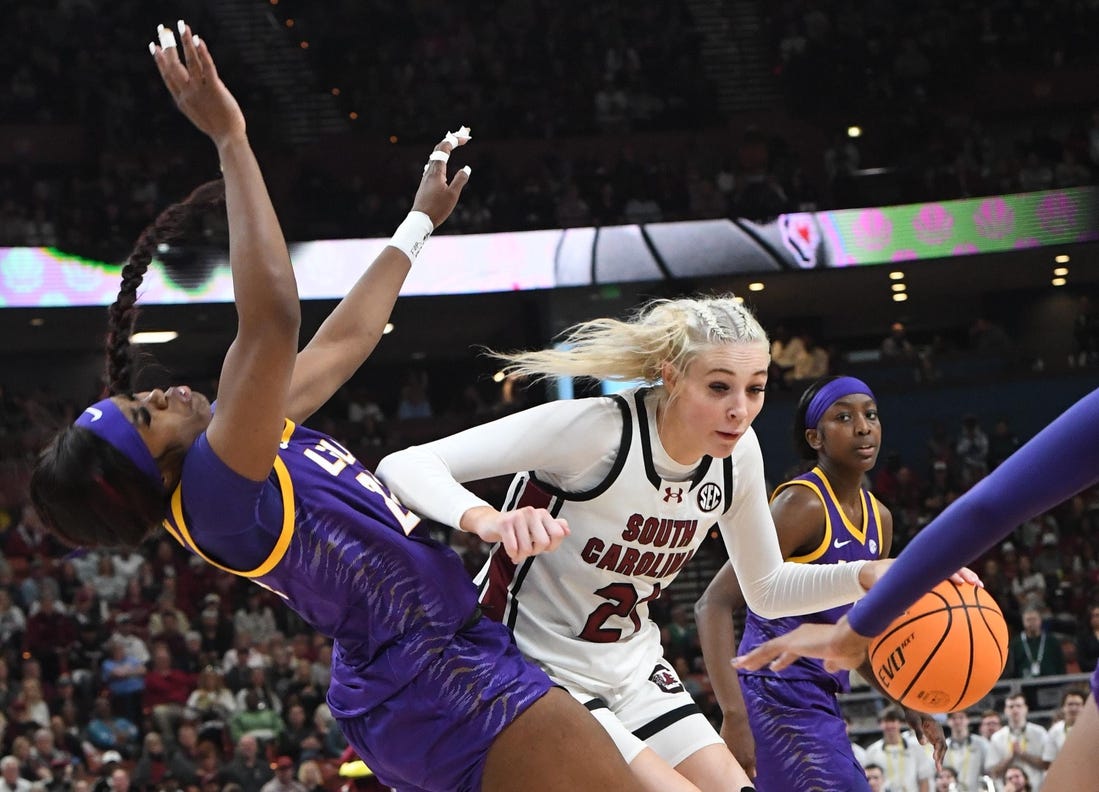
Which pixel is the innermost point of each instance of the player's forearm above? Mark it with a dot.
(266, 292)
(714, 620)
(348, 336)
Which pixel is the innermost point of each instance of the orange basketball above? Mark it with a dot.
(945, 652)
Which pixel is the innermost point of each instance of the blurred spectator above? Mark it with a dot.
(32, 704)
(1002, 443)
(311, 777)
(217, 632)
(166, 691)
(248, 768)
(681, 637)
(284, 780)
(785, 350)
(256, 617)
(333, 741)
(1087, 645)
(109, 732)
(10, 779)
(257, 684)
(1028, 585)
(297, 729)
(211, 702)
(165, 628)
(27, 539)
(12, 622)
(972, 449)
(303, 687)
(108, 583)
(49, 636)
(124, 676)
(1049, 560)
(414, 402)
(1034, 652)
(255, 719)
(185, 754)
(152, 768)
(364, 412)
(812, 362)
(126, 634)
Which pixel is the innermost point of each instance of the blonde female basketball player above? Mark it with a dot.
(625, 488)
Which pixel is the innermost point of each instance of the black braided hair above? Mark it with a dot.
(87, 492)
(122, 314)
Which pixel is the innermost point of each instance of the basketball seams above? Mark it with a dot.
(995, 639)
(947, 634)
(942, 639)
(972, 649)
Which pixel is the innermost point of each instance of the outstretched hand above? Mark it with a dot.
(195, 86)
(837, 644)
(435, 197)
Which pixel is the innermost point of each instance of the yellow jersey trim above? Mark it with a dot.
(812, 555)
(876, 506)
(286, 488)
(857, 533)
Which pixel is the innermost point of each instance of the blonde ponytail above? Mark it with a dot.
(661, 331)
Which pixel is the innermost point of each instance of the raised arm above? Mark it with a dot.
(256, 373)
(350, 333)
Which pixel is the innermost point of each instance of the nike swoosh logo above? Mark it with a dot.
(95, 413)
(283, 446)
(838, 544)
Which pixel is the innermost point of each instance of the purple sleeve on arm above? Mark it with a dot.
(1060, 461)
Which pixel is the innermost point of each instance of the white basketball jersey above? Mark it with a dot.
(583, 611)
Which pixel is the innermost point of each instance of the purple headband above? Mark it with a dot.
(105, 419)
(830, 394)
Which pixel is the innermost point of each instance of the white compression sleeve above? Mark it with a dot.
(774, 588)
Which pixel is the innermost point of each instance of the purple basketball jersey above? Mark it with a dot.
(342, 557)
(843, 541)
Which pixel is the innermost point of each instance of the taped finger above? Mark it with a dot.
(439, 156)
(167, 37)
(458, 138)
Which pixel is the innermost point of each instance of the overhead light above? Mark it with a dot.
(738, 300)
(900, 297)
(1060, 272)
(896, 275)
(154, 337)
(499, 376)
(37, 321)
(899, 287)
(1062, 259)
(854, 131)
(1058, 281)
(757, 286)
(388, 328)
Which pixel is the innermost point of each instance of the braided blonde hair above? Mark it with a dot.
(672, 331)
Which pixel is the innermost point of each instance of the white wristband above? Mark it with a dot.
(411, 234)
